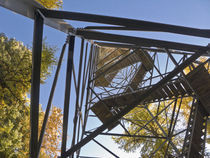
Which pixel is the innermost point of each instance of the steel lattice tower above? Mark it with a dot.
(118, 74)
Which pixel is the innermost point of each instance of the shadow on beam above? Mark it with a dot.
(93, 35)
(129, 24)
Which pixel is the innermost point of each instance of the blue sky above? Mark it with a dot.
(192, 13)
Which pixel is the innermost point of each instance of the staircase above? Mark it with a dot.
(146, 65)
(110, 106)
(106, 108)
(199, 80)
(123, 60)
(194, 143)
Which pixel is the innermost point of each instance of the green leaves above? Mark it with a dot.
(48, 60)
(15, 78)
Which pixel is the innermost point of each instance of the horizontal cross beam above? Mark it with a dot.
(129, 24)
(127, 135)
(93, 35)
(131, 46)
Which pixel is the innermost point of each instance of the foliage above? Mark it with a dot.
(16, 66)
(50, 146)
(12, 129)
(51, 4)
(136, 119)
(15, 78)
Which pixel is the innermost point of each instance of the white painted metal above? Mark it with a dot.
(27, 8)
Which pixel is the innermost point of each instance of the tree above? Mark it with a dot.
(136, 120)
(15, 81)
(15, 76)
(50, 146)
(51, 4)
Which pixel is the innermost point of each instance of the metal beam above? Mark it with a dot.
(105, 148)
(102, 72)
(153, 153)
(133, 105)
(28, 7)
(131, 24)
(128, 135)
(35, 84)
(116, 45)
(131, 46)
(93, 35)
(67, 93)
(47, 112)
(78, 92)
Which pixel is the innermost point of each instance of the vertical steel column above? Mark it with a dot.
(88, 74)
(67, 94)
(84, 82)
(35, 83)
(78, 92)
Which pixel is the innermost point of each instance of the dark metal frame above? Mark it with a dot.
(120, 41)
(35, 83)
(67, 93)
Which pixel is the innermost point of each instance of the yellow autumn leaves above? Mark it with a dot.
(51, 4)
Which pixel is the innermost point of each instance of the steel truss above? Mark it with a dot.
(154, 93)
